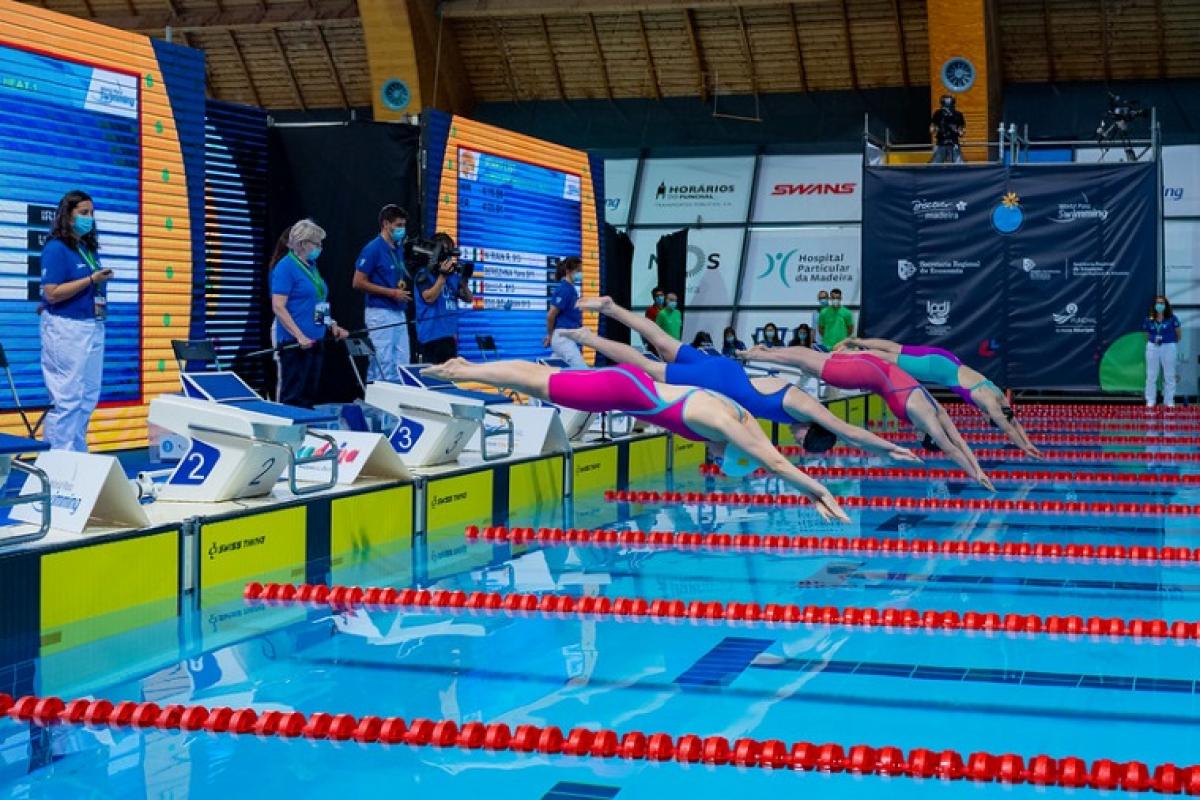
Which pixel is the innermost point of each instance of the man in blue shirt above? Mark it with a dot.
(439, 288)
(380, 273)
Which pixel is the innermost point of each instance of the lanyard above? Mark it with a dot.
(89, 258)
(313, 276)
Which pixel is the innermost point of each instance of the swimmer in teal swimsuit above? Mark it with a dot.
(941, 367)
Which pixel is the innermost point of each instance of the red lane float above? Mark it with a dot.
(1066, 439)
(804, 545)
(908, 503)
(998, 476)
(663, 609)
(1167, 428)
(1103, 774)
(1002, 454)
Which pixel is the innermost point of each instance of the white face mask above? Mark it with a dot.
(836, 303)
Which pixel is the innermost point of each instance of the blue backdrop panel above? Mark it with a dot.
(1028, 273)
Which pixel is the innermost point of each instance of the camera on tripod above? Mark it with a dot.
(428, 254)
(1120, 115)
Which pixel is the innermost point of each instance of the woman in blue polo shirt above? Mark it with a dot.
(1162, 337)
(73, 310)
(300, 300)
(564, 315)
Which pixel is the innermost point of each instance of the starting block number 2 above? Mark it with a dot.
(196, 466)
(406, 435)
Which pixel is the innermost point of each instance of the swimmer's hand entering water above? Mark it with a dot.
(903, 454)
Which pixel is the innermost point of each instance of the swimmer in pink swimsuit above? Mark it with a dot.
(695, 414)
(905, 396)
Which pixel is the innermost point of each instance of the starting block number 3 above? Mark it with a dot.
(406, 435)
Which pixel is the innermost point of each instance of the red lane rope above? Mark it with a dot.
(908, 503)
(999, 454)
(980, 767)
(1064, 439)
(997, 476)
(803, 545)
(1089, 411)
(666, 609)
(1167, 428)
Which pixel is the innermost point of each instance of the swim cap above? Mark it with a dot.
(736, 462)
(818, 439)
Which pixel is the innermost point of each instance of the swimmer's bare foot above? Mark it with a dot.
(453, 370)
(584, 336)
(601, 305)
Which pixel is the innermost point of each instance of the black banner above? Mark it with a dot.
(1029, 273)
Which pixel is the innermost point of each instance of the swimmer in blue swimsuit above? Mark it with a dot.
(943, 368)
(766, 397)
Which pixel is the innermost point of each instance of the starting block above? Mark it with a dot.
(11, 447)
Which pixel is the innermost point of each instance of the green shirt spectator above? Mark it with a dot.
(835, 322)
(670, 319)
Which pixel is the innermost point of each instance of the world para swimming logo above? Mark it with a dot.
(1008, 217)
(779, 260)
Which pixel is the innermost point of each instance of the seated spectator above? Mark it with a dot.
(770, 336)
(802, 336)
(732, 343)
(701, 340)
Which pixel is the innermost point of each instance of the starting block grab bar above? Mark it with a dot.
(330, 456)
(41, 497)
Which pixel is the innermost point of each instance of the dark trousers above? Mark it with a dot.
(300, 375)
(439, 350)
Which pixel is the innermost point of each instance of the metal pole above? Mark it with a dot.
(1156, 136)
(741, 275)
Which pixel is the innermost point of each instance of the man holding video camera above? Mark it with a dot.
(440, 285)
(947, 126)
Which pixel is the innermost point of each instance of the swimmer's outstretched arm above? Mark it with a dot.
(751, 440)
(519, 376)
(807, 359)
(861, 437)
(884, 345)
(662, 341)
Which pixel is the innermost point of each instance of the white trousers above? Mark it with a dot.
(1160, 357)
(567, 350)
(391, 344)
(73, 368)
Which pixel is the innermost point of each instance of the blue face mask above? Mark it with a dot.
(82, 225)
(1160, 307)
(823, 302)
(398, 235)
(730, 339)
(672, 304)
(659, 299)
(313, 255)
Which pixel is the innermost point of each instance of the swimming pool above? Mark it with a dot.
(1123, 697)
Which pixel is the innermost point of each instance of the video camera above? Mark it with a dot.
(1120, 114)
(427, 254)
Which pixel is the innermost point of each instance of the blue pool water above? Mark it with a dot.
(1094, 698)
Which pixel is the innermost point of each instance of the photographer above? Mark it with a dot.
(440, 285)
(947, 126)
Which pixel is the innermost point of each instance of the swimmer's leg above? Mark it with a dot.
(618, 352)
(662, 342)
(519, 376)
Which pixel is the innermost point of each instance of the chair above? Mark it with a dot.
(22, 409)
(487, 346)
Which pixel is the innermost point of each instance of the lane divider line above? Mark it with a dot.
(1042, 552)
(1090, 411)
(1103, 774)
(1001, 454)
(1000, 475)
(908, 503)
(1061, 440)
(1081, 425)
(627, 609)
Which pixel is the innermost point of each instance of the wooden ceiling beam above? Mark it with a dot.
(747, 53)
(208, 84)
(467, 9)
(239, 19)
(332, 65)
(900, 40)
(558, 81)
(608, 92)
(506, 59)
(658, 95)
(795, 31)
(281, 51)
(241, 58)
(1048, 35)
(697, 53)
(1161, 33)
(849, 46)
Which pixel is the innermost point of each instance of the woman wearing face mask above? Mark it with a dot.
(801, 337)
(564, 314)
(74, 307)
(300, 300)
(1162, 337)
(770, 336)
(732, 343)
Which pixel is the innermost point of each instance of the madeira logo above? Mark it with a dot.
(1008, 216)
(779, 260)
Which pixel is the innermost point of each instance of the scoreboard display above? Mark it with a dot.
(515, 206)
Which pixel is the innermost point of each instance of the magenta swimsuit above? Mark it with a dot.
(624, 388)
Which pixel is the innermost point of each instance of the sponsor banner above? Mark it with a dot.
(85, 489)
(618, 190)
(1027, 273)
(713, 255)
(1181, 174)
(789, 266)
(1182, 251)
(809, 189)
(687, 191)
